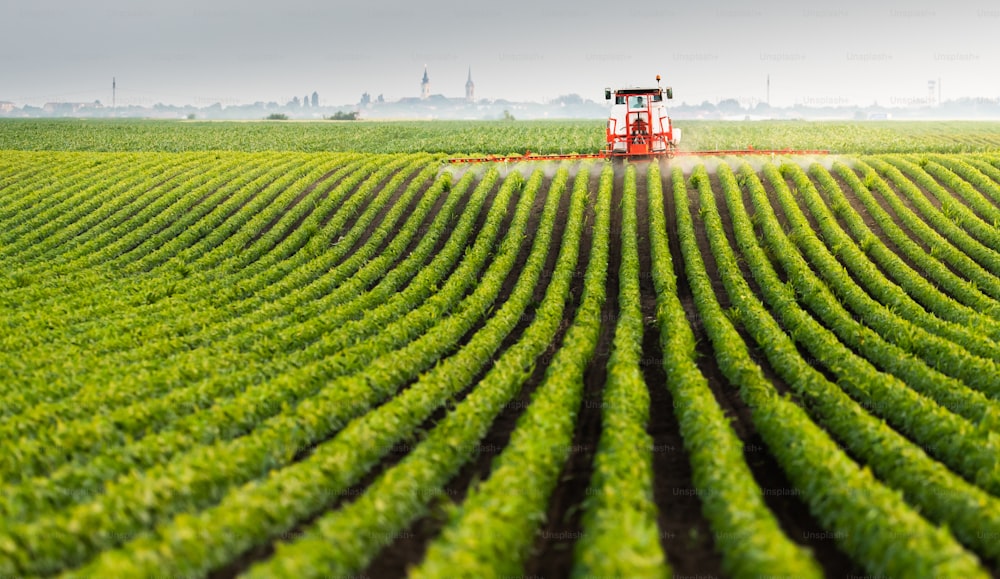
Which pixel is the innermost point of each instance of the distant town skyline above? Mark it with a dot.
(195, 53)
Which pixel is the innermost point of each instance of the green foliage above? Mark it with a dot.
(620, 535)
(747, 533)
(215, 352)
(807, 453)
(344, 116)
(484, 137)
(494, 528)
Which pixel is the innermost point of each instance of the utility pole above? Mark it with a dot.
(114, 91)
(768, 90)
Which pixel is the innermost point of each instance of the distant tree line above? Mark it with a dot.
(344, 116)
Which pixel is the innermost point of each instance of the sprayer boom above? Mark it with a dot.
(529, 156)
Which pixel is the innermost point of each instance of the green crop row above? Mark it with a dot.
(543, 136)
(92, 194)
(927, 483)
(275, 186)
(863, 516)
(620, 533)
(951, 438)
(200, 478)
(118, 297)
(39, 493)
(493, 530)
(864, 273)
(143, 416)
(948, 392)
(950, 224)
(963, 214)
(25, 172)
(954, 307)
(112, 363)
(983, 176)
(971, 185)
(100, 352)
(976, 278)
(288, 364)
(939, 353)
(345, 541)
(154, 198)
(750, 538)
(256, 511)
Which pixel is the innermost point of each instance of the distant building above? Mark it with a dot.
(7, 107)
(430, 105)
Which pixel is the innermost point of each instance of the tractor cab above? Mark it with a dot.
(638, 124)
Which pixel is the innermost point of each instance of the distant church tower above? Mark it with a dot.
(425, 85)
(470, 88)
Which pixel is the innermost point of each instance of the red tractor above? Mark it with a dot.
(639, 125)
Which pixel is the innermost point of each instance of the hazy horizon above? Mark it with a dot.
(197, 53)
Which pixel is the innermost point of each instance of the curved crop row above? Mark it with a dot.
(141, 213)
(47, 174)
(976, 278)
(974, 188)
(108, 360)
(949, 221)
(940, 353)
(866, 274)
(346, 540)
(962, 214)
(953, 439)
(34, 494)
(493, 529)
(52, 542)
(244, 516)
(863, 515)
(939, 492)
(749, 536)
(43, 417)
(94, 206)
(230, 417)
(954, 301)
(287, 364)
(106, 340)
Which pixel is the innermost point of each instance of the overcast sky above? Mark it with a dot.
(237, 52)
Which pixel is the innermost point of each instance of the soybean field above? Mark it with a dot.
(222, 362)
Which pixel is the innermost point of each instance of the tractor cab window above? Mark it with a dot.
(658, 98)
(637, 102)
(619, 100)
